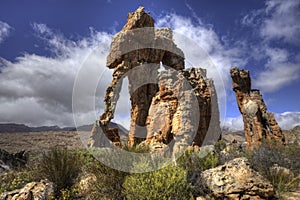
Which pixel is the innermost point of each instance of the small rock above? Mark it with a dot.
(31, 191)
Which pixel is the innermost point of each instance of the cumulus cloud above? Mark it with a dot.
(282, 21)
(278, 20)
(234, 123)
(276, 23)
(37, 90)
(279, 70)
(286, 120)
(203, 48)
(5, 30)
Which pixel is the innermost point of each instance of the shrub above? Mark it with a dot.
(270, 154)
(220, 145)
(15, 180)
(167, 183)
(282, 181)
(209, 161)
(59, 166)
(231, 152)
(191, 161)
(108, 181)
(136, 148)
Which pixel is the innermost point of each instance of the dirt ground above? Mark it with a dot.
(41, 141)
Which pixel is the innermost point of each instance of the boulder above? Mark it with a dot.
(237, 180)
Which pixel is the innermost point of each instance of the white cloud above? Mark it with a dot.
(253, 18)
(5, 30)
(279, 70)
(276, 25)
(45, 83)
(286, 120)
(282, 21)
(234, 123)
(37, 90)
(203, 48)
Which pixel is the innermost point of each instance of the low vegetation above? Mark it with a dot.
(279, 164)
(180, 180)
(167, 183)
(59, 166)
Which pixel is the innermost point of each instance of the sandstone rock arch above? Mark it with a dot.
(154, 105)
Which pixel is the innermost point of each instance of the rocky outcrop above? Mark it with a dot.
(157, 114)
(9, 161)
(176, 112)
(292, 136)
(32, 191)
(237, 180)
(259, 125)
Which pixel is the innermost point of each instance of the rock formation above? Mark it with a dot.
(137, 52)
(172, 111)
(259, 125)
(9, 161)
(31, 191)
(292, 136)
(237, 180)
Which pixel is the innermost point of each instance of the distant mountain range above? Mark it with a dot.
(14, 128)
(22, 128)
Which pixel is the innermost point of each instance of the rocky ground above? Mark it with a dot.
(40, 141)
(36, 142)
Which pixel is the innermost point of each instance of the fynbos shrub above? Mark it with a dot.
(167, 183)
(59, 166)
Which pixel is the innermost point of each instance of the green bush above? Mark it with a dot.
(220, 145)
(167, 183)
(108, 181)
(59, 166)
(136, 148)
(191, 161)
(209, 161)
(15, 180)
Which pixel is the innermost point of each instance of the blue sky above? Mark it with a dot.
(44, 43)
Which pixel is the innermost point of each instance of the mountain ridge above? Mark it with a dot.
(16, 127)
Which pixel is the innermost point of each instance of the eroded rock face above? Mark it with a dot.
(237, 180)
(183, 96)
(31, 191)
(259, 125)
(292, 136)
(137, 52)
